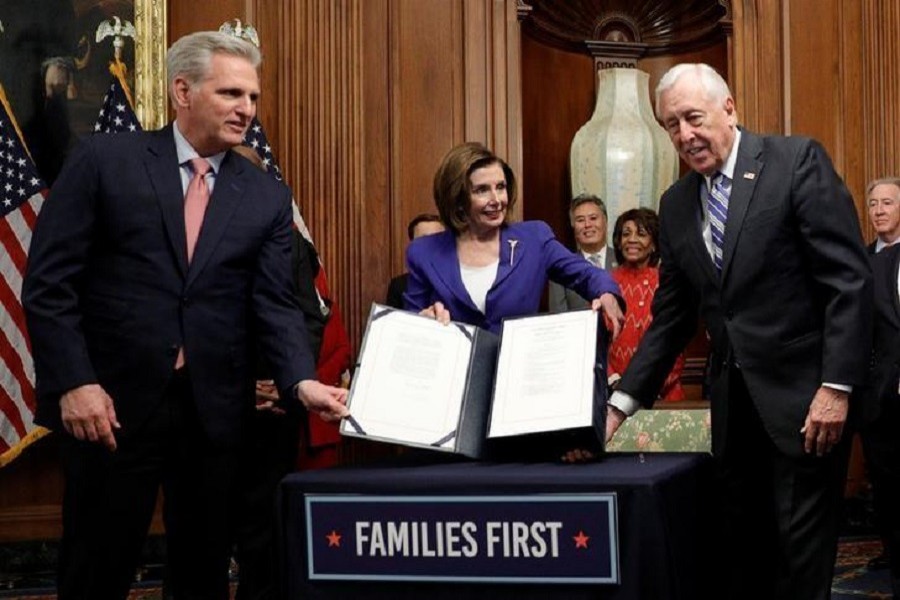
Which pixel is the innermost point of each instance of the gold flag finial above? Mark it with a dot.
(244, 32)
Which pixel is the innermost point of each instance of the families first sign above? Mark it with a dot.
(503, 539)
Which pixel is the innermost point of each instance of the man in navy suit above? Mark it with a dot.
(762, 240)
(144, 351)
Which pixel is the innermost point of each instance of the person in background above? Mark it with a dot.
(588, 218)
(423, 224)
(272, 442)
(484, 268)
(883, 201)
(881, 418)
(636, 243)
(761, 238)
(159, 268)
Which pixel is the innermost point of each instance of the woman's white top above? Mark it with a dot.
(478, 280)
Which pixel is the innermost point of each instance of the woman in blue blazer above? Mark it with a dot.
(484, 269)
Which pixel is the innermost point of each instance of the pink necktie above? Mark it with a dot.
(195, 201)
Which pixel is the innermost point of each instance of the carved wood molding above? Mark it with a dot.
(620, 32)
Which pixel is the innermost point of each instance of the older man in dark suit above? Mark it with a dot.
(883, 202)
(157, 264)
(762, 240)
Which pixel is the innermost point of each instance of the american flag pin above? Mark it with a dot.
(749, 175)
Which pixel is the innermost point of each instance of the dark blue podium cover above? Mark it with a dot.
(660, 534)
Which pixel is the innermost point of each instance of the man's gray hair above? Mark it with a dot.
(713, 84)
(895, 181)
(190, 55)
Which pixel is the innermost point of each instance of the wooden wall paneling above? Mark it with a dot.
(825, 84)
(319, 116)
(850, 159)
(814, 106)
(509, 141)
(427, 104)
(382, 220)
(757, 70)
(184, 18)
(492, 80)
(880, 91)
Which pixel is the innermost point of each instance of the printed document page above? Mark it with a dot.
(411, 379)
(545, 374)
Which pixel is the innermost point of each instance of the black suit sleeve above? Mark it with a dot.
(51, 291)
(829, 231)
(396, 288)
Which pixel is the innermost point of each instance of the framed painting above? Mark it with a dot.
(55, 72)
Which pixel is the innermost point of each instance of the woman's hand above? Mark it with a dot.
(612, 314)
(437, 312)
(578, 455)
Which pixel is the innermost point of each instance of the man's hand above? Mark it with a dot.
(825, 421)
(437, 312)
(88, 414)
(267, 397)
(326, 401)
(612, 314)
(614, 420)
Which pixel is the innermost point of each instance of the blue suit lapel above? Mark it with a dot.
(445, 265)
(162, 170)
(513, 250)
(225, 199)
(747, 170)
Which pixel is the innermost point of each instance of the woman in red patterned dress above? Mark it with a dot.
(635, 241)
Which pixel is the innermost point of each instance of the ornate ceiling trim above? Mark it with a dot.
(626, 30)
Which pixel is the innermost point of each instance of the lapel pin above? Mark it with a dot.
(512, 250)
(749, 175)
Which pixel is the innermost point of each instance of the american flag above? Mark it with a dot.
(22, 193)
(117, 114)
(256, 139)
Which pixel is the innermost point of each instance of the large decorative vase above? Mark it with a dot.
(622, 154)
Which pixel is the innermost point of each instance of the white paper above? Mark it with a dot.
(411, 378)
(545, 374)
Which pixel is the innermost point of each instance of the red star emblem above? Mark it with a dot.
(334, 539)
(581, 540)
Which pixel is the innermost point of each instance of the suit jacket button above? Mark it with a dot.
(172, 350)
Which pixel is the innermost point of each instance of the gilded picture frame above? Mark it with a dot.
(150, 63)
(55, 68)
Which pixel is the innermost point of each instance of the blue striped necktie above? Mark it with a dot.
(717, 205)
